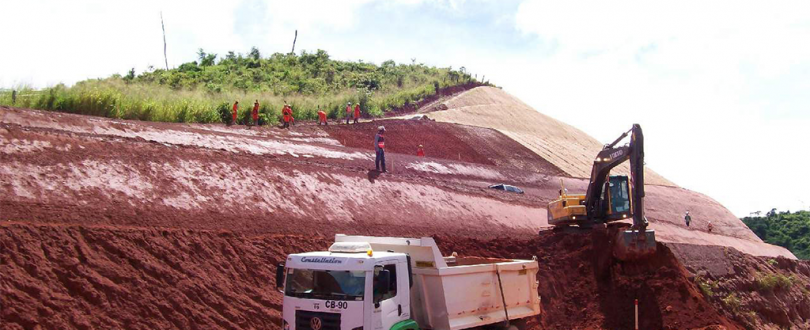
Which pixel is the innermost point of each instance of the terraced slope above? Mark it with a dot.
(561, 144)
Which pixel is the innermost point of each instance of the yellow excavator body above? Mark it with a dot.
(566, 209)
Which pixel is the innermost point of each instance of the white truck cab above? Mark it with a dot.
(387, 283)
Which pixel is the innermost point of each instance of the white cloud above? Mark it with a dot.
(61, 41)
(690, 72)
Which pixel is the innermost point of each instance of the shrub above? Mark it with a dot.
(774, 281)
(224, 111)
(732, 302)
(706, 286)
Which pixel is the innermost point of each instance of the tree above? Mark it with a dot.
(130, 75)
(201, 54)
(786, 229)
(254, 54)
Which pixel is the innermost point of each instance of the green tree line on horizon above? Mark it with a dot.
(197, 91)
(785, 229)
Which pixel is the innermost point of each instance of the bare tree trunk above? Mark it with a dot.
(294, 39)
(165, 58)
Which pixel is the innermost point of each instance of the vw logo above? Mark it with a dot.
(315, 323)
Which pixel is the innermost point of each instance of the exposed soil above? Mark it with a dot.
(75, 276)
(738, 285)
(444, 141)
(67, 168)
(82, 277)
(565, 146)
(125, 224)
(433, 102)
(583, 287)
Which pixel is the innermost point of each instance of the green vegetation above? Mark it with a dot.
(706, 286)
(789, 230)
(769, 282)
(732, 302)
(195, 91)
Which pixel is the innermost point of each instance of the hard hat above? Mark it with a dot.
(420, 146)
(382, 128)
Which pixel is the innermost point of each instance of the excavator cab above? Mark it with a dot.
(618, 196)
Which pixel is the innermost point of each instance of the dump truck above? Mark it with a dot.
(392, 283)
(612, 198)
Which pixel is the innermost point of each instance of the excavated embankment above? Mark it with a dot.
(86, 277)
(124, 224)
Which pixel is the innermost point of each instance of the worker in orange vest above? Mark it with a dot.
(356, 112)
(256, 113)
(321, 117)
(235, 107)
(420, 152)
(286, 113)
(348, 112)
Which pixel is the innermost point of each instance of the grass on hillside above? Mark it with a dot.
(194, 91)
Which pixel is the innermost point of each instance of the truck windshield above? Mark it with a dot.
(326, 284)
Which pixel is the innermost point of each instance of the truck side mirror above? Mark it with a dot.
(382, 285)
(280, 277)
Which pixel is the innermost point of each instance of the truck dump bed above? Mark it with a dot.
(451, 293)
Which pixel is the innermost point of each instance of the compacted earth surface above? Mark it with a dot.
(125, 224)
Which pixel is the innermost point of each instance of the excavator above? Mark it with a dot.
(611, 198)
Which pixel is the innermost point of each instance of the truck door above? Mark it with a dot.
(391, 308)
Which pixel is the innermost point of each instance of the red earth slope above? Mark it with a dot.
(76, 169)
(152, 190)
(86, 277)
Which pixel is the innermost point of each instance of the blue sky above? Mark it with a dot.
(720, 87)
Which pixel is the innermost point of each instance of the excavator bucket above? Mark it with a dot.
(634, 244)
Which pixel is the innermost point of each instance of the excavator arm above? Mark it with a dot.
(607, 159)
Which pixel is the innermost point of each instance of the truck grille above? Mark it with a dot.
(329, 321)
